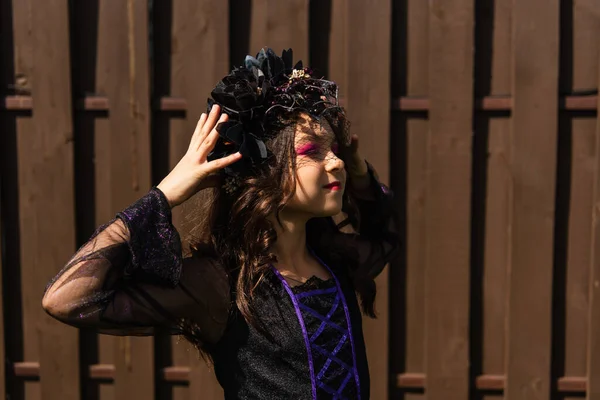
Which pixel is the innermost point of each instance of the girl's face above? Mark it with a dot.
(320, 173)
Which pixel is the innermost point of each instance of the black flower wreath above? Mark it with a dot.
(250, 93)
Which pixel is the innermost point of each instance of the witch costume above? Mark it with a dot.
(309, 344)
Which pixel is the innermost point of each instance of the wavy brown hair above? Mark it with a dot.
(236, 228)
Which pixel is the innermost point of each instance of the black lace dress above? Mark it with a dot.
(130, 279)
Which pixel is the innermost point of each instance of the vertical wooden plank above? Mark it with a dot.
(448, 198)
(92, 169)
(369, 36)
(199, 43)
(410, 52)
(493, 77)
(134, 355)
(417, 76)
(533, 137)
(6, 48)
(46, 197)
(581, 131)
(338, 46)
(2, 353)
(110, 17)
(593, 340)
(280, 25)
(18, 70)
(122, 161)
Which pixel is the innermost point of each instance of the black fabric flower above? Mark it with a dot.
(234, 136)
(250, 94)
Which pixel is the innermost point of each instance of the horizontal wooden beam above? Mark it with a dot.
(16, 103)
(25, 103)
(180, 374)
(102, 371)
(27, 369)
(176, 374)
(93, 103)
(572, 384)
(497, 103)
(493, 103)
(488, 103)
(566, 384)
(579, 103)
(407, 104)
(417, 381)
(490, 382)
(173, 104)
(410, 104)
(410, 381)
(31, 370)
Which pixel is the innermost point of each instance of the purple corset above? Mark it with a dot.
(323, 315)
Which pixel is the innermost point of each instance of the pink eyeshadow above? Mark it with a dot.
(307, 148)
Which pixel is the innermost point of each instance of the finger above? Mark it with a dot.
(354, 143)
(202, 119)
(349, 143)
(212, 119)
(198, 130)
(221, 163)
(209, 141)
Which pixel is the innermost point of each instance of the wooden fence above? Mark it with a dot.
(482, 115)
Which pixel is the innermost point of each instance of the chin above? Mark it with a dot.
(316, 207)
(330, 210)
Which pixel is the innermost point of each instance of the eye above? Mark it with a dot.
(335, 148)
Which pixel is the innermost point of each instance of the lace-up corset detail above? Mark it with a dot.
(322, 313)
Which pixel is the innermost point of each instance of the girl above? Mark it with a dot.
(269, 291)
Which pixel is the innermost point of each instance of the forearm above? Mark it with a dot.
(378, 222)
(141, 245)
(85, 275)
(360, 182)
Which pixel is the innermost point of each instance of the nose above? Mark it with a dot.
(334, 163)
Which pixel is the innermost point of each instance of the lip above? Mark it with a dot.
(335, 185)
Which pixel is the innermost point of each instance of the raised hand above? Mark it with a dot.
(355, 165)
(194, 172)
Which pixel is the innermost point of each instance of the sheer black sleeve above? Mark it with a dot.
(375, 242)
(130, 278)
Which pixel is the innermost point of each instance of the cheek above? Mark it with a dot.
(308, 184)
(309, 176)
